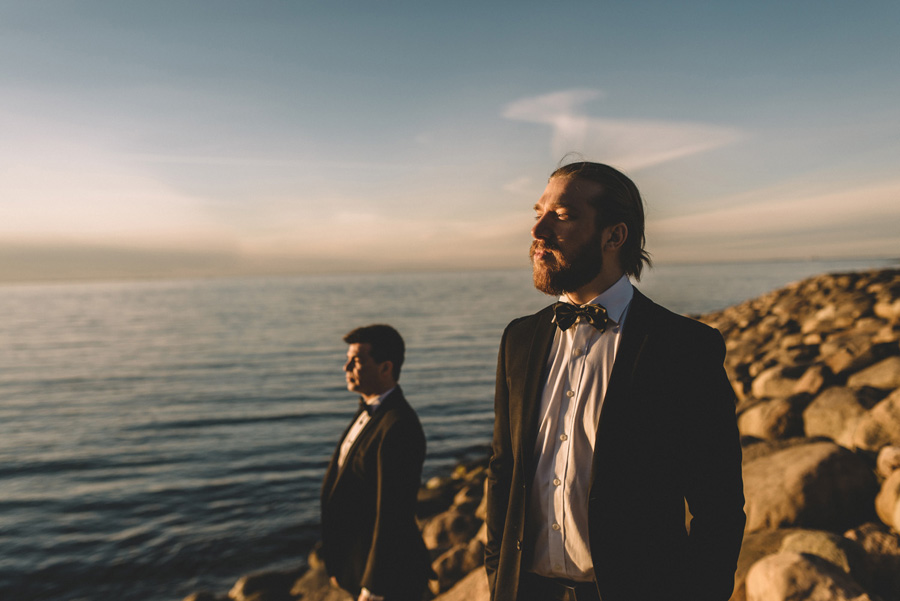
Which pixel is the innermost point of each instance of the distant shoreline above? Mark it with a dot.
(175, 276)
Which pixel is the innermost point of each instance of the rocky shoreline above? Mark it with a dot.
(816, 371)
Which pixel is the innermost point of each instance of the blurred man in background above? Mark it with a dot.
(371, 543)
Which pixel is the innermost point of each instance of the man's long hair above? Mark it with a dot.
(618, 202)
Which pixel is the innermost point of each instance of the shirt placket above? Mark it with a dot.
(564, 474)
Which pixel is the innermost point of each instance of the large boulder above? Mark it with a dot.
(450, 528)
(315, 585)
(813, 485)
(882, 557)
(888, 461)
(887, 503)
(754, 547)
(452, 565)
(266, 586)
(889, 310)
(885, 375)
(846, 554)
(474, 587)
(880, 426)
(774, 382)
(835, 414)
(449, 569)
(846, 352)
(794, 576)
(775, 419)
(813, 380)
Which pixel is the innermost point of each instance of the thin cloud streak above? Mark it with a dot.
(786, 211)
(790, 222)
(630, 144)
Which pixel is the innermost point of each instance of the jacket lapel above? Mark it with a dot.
(634, 337)
(541, 342)
(367, 430)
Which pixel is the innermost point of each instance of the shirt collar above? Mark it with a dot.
(377, 402)
(615, 299)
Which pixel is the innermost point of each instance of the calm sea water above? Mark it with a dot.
(166, 436)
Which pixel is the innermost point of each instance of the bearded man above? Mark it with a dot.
(613, 416)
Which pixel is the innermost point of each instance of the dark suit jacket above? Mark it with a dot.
(667, 433)
(369, 533)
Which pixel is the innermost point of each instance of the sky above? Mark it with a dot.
(208, 138)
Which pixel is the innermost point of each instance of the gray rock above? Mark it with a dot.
(315, 585)
(755, 546)
(885, 375)
(795, 577)
(889, 310)
(886, 503)
(880, 426)
(775, 419)
(474, 557)
(814, 379)
(754, 448)
(469, 497)
(772, 383)
(888, 461)
(481, 510)
(813, 485)
(265, 586)
(474, 587)
(843, 552)
(835, 414)
(450, 528)
(449, 568)
(882, 557)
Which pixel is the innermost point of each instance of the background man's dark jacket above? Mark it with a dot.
(369, 534)
(667, 433)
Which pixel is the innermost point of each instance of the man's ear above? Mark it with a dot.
(615, 236)
(386, 368)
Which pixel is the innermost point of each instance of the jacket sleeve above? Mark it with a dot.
(399, 471)
(499, 472)
(713, 481)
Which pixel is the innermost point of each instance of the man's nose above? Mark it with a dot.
(541, 229)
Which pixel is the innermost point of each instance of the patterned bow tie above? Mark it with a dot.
(370, 409)
(565, 314)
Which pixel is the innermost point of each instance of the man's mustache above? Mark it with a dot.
(543, 245)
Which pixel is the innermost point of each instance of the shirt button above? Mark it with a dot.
(556, 482)
(555, 527)
(557, 567)
(564, 437)
(570, 394)
(578, 352)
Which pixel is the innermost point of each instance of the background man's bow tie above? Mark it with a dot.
(565, 314)
(364, 406)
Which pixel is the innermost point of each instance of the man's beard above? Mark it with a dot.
(560, 274)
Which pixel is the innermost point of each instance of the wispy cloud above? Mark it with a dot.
(522, 185)
(793, 208)
(627, 143)
(795, 220)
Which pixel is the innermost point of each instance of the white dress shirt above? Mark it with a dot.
(358, 426)
(578, 371)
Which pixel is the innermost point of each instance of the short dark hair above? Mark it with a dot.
(385, 343)
(618, 202)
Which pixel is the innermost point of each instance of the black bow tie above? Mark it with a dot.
(565, 314)
(370, 409)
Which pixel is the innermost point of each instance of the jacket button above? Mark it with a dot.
(518, 545)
